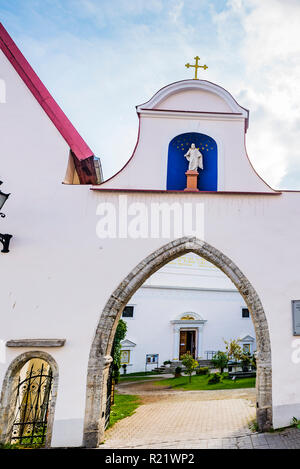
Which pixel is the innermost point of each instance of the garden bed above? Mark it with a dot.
(200, 383)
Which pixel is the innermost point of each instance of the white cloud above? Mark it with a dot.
(269, 84)
(176, 11)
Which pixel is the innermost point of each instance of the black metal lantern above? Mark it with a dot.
(3, 199)
(4, 238)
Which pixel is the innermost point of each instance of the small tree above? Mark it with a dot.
(116, 349)
(220, 360)
(233, 349)
(246, 361)
(190, 364)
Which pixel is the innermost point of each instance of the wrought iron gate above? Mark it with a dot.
(109, 394)
(31, 410)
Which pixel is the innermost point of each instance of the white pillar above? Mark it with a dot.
(199, 344)
(176, 338)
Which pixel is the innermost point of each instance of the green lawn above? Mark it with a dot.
(124, 406)
(142, 375)
(134, 378)
(201, 383)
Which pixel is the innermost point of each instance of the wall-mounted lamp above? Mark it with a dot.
(3, 199)
(4, 238)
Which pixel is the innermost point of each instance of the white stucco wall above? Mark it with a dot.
(59, 275)
(38, 299)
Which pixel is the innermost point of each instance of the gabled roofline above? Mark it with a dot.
(76, 143)
(184, 85)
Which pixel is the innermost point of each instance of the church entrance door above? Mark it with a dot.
(187, 343)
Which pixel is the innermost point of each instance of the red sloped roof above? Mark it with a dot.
(76, 143)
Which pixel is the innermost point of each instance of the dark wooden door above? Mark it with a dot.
(187, 343)
(183, 343)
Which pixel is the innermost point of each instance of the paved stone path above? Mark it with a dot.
(193, 419)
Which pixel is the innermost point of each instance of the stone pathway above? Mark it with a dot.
(288, 439)
(193, 419)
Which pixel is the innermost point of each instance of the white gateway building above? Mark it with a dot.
(189, 305)
(61, 292)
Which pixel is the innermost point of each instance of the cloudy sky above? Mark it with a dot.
(100, 58)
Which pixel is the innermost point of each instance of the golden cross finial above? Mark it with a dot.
(196, 66)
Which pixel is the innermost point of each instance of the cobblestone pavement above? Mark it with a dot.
(193, 419)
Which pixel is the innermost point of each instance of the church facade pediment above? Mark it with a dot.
(190, 125)
(127, 343)
(198, 96)
(247, 338)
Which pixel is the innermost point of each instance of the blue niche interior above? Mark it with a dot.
(178, 164)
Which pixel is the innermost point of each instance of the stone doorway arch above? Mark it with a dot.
(8, 394)
(99, 358)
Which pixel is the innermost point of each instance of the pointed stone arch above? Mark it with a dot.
(99, 358)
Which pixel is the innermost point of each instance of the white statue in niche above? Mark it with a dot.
(194, 157)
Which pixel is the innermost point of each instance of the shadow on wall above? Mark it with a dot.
(178, 164)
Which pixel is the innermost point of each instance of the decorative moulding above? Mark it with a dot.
(194, 316)
(247, 338)
(203, 85)
(127, 343)
(36, 343)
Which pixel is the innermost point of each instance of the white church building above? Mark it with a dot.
(187, 306)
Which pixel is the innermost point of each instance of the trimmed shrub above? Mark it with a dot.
(214, 378)
(202, 371)
(220, 360)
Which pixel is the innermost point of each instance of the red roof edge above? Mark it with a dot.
(76, 143)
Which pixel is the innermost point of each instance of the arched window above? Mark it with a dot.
(178, 164)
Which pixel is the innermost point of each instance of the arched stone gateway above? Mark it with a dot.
(101, 347)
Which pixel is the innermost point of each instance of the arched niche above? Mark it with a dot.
(178, 164)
